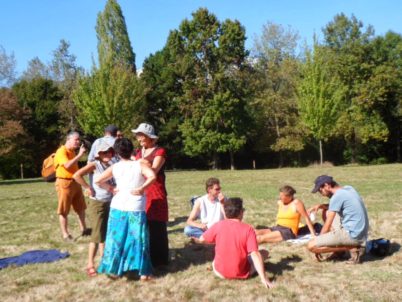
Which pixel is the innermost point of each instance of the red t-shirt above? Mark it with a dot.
(156, 205)
(234, 241)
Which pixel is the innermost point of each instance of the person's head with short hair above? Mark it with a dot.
(233, 208)
(111, 130)
(286, 194)
(119, 134)
(123, 147)
(72, 140)
(212, 186)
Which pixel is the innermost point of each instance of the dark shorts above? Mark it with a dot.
(98, 212)
(285, 232)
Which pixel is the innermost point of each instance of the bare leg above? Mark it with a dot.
(262, 231)
(81, 220)
(101, 249)
(63, 225)
(270, 237)
(93, 247)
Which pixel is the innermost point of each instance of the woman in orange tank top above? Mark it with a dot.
(290, 209)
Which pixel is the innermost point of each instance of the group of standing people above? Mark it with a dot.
(128, 211)
(127, 200)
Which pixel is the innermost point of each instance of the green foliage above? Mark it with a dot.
(41, 97)
(108, 96)
(209, 59)
(320, 94)
(114, 45)
(65, 72)
(275, 107)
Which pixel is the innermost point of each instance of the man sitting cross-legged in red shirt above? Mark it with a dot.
(236, 248)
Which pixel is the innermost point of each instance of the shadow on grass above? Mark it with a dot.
(182, 258)
(179, 231)
(176, 221)
(278, 268)
(20, 181)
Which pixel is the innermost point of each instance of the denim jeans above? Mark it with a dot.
(191, 231)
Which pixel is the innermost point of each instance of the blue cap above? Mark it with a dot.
(320, 181)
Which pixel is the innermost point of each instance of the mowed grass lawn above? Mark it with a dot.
(28, 221)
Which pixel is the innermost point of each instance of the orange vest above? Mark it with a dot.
(288, 217)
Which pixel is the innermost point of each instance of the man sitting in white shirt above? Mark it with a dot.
(208, 208)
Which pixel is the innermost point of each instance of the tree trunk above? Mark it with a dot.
(232, 166)
(215, 161)
(321, 155)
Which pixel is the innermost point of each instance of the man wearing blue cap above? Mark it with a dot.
(346, 223)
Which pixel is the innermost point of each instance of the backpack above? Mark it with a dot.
(49, 168)
(378, 247)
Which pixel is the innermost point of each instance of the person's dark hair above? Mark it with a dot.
(332, 184)
(123, 147)
(233, 207)
(288, 190)
(211, 182)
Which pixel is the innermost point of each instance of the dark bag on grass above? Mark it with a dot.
(49, 168)
(379, 247)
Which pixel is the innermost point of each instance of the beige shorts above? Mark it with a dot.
(339, 237)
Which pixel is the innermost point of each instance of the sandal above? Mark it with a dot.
(355, 255)
(91, 272)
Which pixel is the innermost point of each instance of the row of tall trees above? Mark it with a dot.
(213, 102)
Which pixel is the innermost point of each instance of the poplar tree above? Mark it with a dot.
(114, 45)
(111, 93)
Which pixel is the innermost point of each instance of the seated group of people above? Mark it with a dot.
(217, 220)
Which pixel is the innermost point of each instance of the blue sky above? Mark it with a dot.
(31, 28)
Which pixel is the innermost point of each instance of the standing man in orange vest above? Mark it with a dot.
(68, 191)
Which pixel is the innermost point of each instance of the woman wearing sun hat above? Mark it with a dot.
(156, 195)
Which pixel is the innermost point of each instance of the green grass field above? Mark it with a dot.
(28, 221)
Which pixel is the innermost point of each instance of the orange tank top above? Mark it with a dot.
(288, 217)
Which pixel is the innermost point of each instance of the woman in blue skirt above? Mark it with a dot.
(127, 239)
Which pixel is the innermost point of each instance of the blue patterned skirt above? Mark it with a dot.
(127, 244)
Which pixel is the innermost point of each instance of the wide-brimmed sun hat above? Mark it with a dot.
(146, 129)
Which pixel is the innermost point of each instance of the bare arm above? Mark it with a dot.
(193, 216)
(322, 206)
(328, 222)
(302, 210)
(158, 163)
(150, 176)
(79, 177)
(259, 267)
(71, 162)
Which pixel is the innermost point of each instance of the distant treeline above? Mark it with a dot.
(214, 103)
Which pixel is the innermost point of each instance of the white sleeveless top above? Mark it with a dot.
(210, 212)
(127, 175)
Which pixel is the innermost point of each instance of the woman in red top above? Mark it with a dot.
(156, 195)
